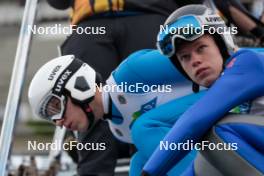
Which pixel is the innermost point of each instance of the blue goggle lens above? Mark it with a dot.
(187, 28)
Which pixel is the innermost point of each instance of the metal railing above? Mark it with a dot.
(16, 84)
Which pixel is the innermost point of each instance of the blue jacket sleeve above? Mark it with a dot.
(242, 80)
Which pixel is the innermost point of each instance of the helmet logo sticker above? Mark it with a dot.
(213, 19)
(60, 83)
(53, 73)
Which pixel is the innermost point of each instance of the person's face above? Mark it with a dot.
(201, 60)
(74, 118)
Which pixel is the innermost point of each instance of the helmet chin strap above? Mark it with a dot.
(195, 87)
(87, 108)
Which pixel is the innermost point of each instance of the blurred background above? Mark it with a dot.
(44, 47)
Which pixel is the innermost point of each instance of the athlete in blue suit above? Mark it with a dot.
(64, 91)
(236, 86)
(150, 68)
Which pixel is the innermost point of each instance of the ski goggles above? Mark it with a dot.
(52, 107)
(187, 28)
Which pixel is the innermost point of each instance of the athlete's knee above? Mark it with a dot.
(244, 134)
(243, 128)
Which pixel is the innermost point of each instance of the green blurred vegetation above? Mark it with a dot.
(41, 127)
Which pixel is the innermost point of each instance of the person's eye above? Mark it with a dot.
(184, 57)
(201, 48)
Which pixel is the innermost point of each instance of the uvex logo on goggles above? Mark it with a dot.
(54, 72)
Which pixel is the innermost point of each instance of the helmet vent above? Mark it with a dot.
(81, 84)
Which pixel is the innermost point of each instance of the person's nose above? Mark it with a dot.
(196, 60)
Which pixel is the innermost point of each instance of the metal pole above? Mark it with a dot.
(16, 84)
(58, 138)
(59, 134)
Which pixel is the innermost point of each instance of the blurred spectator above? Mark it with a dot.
(234, 12)
(237, 14)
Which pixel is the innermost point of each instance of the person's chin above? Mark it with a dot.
(81, 129)
(205, 82)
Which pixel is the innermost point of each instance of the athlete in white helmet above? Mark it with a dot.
(58, 80)
(64, 91)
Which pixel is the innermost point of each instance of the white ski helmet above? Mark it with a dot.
(61, 77)
(188, 23)
(199, 19)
